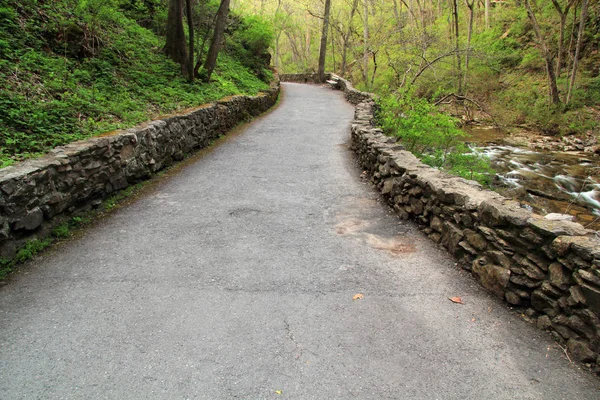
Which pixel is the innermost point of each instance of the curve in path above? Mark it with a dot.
(236, 277)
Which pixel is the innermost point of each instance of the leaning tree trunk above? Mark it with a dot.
(580, 33)
(175, 44)
(347, 37)
(190, 21)
(553, 88)
(470, 6)
(561, 32)
(366, 43)
(323, 48)
(456, 48)
(215, 45)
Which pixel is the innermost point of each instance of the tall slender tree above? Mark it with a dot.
(546, 54)
(580, 34)
(190, 21)
(563, 13)
(175, 35)
(215, 44)
(470, 6)
(323, 48)
(454, 16)
(346, 37)
(366, 42)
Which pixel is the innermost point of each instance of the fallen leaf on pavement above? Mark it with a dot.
(456, 300)
(278, 391)
(358, 296)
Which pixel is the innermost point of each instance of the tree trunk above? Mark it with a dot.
(277, 50)
(175, 43)
(333, 51)
(374, 69)
(307, 45)
(190, 21)
(397, 16)
(456, 48)
(561, 39)
(215, 44)
(366, 43)
(470, 6)
(277, 37)
(580, 33)
(347, 37)
(487, 13)
(323, 48)
(561, 32)
(552, 87)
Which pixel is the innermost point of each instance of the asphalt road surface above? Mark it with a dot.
(237, 278)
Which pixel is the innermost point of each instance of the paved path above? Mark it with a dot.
(235, 279)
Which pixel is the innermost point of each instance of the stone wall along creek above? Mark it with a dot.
(37, 194)
(548, 268)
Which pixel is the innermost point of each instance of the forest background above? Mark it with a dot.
(533, 63)
(70, 69)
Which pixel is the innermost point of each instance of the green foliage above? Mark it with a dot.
(114, 200)
(61, 231)
(418, 123)
(27, 252)
(147, 13)
(71, 69)
(431, 135)
(251, 38)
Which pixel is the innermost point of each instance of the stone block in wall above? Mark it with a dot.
(559, 276)
(581, 351)
(452, 235)
(476, 240)
(554, 229)
(30, 221)
(542, 302)
(496, 212)
(492, 277)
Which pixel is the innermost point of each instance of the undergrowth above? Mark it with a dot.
(431, 135)
(71, 69)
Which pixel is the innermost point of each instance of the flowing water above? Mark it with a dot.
(547, 182)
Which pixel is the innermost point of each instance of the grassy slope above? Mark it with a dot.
(70, 70)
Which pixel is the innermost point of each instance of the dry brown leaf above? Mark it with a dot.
(456, 299)
(358, 296)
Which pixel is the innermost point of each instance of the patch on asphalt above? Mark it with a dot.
(395, 245)
(361, 219)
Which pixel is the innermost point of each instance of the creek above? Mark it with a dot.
(546, 182)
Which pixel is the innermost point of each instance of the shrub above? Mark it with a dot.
(251, 38)
(431, 135)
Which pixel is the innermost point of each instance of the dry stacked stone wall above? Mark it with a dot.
(352, 95)
(35, 194)
(550, 269)
(300, 78)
